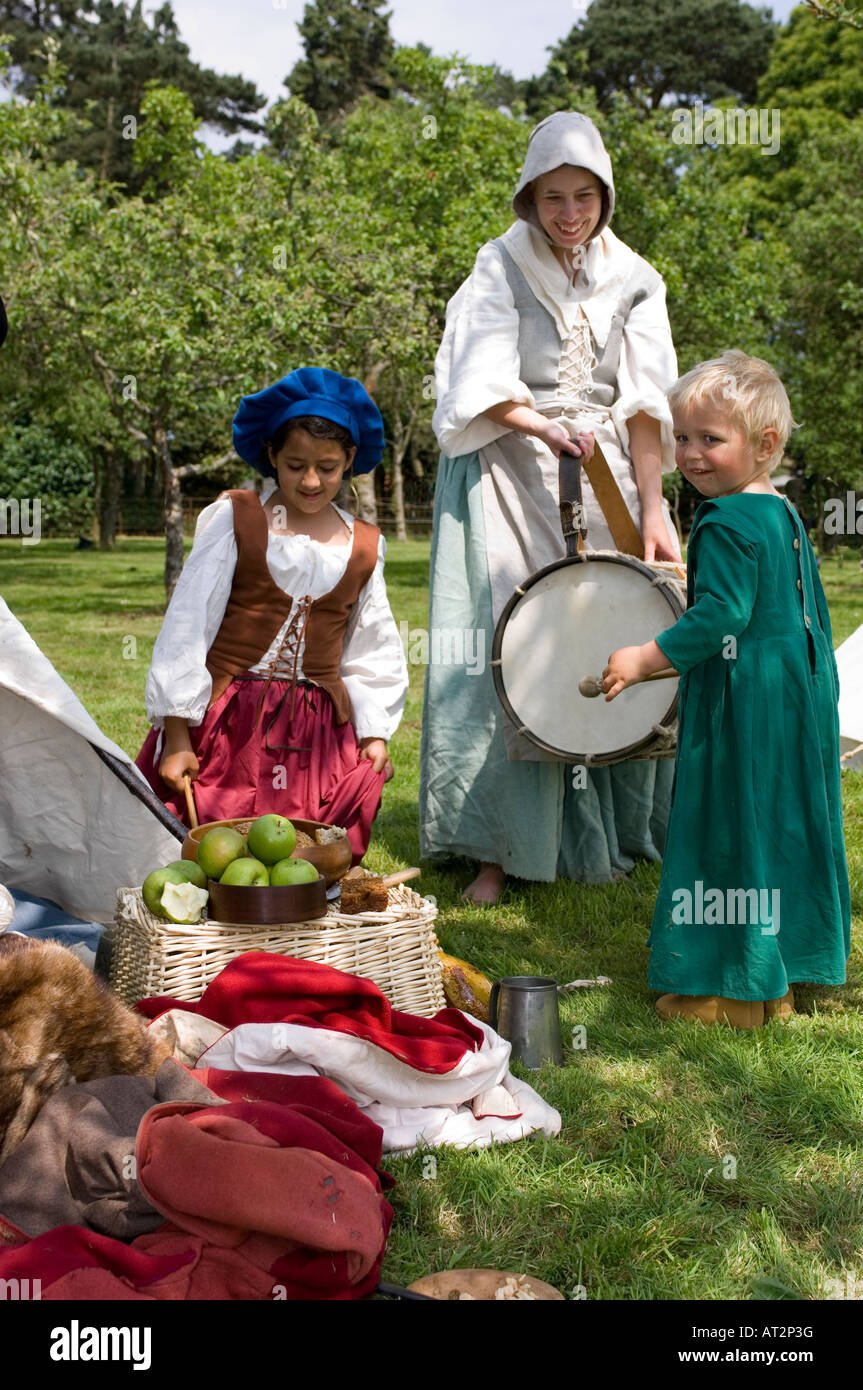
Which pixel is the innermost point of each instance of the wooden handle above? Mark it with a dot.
(591, 686)
(664, 675)
(190, 801)
(403, 876)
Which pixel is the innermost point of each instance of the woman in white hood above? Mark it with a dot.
(558, 318)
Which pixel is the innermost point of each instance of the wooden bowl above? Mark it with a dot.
(481, 1284)
(255, 907)
(332, 860)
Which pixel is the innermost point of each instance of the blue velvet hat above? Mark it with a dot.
(309, 391)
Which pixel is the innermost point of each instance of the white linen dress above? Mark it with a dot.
(595, 350)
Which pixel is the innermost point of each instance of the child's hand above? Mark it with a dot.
(625, 667)
(375, 749)
(174, 766)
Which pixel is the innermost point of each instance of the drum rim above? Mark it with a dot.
(584, 557)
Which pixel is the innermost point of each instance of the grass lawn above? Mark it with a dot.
(692, 1162)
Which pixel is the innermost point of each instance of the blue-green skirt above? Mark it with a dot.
(532, 818)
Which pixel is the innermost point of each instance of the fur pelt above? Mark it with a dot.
(59, 1025)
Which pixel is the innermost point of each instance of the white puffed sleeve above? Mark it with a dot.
(648, 366)
(373, 665)
(179, 683)
(477, 364)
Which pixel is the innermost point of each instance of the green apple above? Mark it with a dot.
(154, 886)
(293, 871)
(219, 848)
(183, 902)
(272, 838)
(246, 873)
(192, 872)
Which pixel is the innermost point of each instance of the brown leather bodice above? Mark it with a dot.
(257, 608)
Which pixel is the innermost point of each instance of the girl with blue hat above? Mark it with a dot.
(279, 676)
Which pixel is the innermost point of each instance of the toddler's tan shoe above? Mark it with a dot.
(712, 1008)
(780, 1008)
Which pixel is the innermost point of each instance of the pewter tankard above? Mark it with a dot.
(523, 1009)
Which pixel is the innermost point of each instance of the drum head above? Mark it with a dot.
(564, 626)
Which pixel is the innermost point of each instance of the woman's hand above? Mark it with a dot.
(658, 544)
(174, 766)
(375, 749)
(557, 439)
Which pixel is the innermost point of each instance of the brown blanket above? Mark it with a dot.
(57, 1025)
(76, 1165)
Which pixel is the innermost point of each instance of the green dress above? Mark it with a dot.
(754, 892)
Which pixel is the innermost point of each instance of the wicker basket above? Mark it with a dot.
(397, 949)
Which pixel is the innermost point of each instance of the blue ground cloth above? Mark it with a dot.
(46, 921)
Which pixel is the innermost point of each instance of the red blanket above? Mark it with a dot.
(260, 987)
(266, 1198)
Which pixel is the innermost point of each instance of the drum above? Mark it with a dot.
(561, 625)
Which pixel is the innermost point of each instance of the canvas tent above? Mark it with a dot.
(849, 660)
(77, 819)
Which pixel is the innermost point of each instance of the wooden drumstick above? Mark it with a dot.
(591, 686)
(190, 801)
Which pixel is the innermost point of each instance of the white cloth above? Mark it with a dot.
(475, 1104)
(373, 665)
(478, 366)
(849, 663)
(565, 137)
(70, 830)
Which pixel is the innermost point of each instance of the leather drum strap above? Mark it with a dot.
(621, 525)
(571, 507)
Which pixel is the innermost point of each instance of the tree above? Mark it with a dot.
(802, 209)
(836, 10)
(53, 407)
(815, 64)
(348, 51)
(109, 51)
(689, 49)
(822, 333)
(149, 317)
(426, 179)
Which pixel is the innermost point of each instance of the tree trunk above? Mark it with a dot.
(109, 123)
(173, 513)
(399, 501)
(109, 499)
(416, 462)
(820, 534)
(402, 435)
(367, 501)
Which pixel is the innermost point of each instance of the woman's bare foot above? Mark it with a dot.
(487, 886)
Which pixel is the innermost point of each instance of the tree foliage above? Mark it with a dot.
(139, 318)
(348, 54)
(109, 51)
(815, 64)
(689, 49)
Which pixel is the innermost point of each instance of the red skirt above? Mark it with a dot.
(311, 770)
